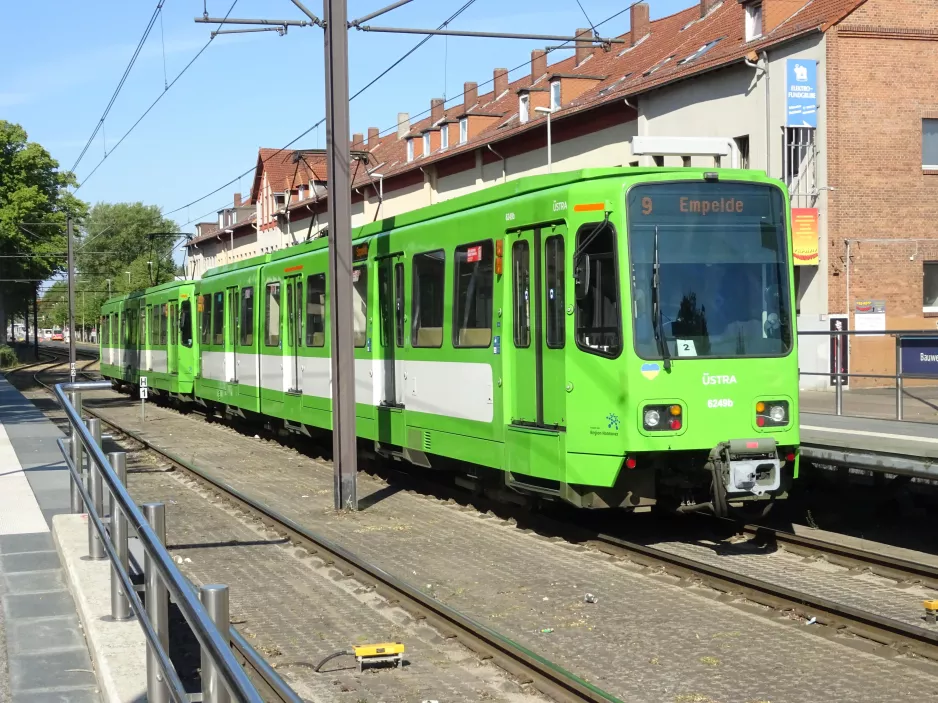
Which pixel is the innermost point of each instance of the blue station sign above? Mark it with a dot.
(801, 93)
(919, 356)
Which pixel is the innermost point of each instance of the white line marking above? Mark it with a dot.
(19, 510)
(865, 433)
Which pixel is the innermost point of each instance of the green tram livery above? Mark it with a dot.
(609, 337)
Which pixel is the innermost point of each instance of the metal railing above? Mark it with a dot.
(838, 374)
(205, 611)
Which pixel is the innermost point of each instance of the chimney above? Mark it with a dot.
(706, 5)
(470, 93)
(436, 110)
(538, 64)
(372, 137)
(237, 200)
(358, 141)
(403, 124)
(584, 47)
(640, 23)
(501, 81)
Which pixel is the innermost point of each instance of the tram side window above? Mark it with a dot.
(521, 285)
(428, 281)
(185, 323)
(360, 304)
(141, 338)
(598, 327)
(153, 333)
(316, 310)
(114, 329)
(554, 289)
(218, 318)
(272, 319)
(247, 317)
(472, 303)
(399, 302)
(163, 322)
(205, 312)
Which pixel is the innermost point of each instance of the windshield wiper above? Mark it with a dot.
(656, 309)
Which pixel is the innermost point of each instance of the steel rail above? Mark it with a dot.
(549, 678)
(209, 638)
(251, 657)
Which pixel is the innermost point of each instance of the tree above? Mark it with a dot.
(34, 203)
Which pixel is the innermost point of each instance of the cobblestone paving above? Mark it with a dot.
(645, 639)
(295, 611)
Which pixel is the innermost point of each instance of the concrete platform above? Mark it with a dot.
(44, 656)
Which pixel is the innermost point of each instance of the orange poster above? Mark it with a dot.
(804, 235)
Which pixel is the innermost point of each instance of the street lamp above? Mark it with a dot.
(547, 111)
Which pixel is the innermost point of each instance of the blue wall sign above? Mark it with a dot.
(801, 93)
(919, 356)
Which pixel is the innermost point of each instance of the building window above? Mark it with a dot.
(410, 150)
(464, 130)
(930, 144)
(426, 144)
(428, 281)
(555, 95)
(930, 287)
(247, 317)
(523, 113)
(753, 21)
(444, 136)
(472, 303)
(316, 310)
(742, 143)
(658, 159)
(798, 156)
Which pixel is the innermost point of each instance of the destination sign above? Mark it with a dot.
(360, 252)
(695, 206)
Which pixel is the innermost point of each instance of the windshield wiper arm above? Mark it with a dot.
(656, 309)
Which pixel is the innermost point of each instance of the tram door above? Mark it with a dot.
(538, 327)
(231, 336)
(391, 308)
(172, 351)
(292, 342)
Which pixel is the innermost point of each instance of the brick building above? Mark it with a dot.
(860, 157)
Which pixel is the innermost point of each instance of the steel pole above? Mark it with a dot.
(120, 604)
(71, 299)
(157, 604)
(215, 600)
(76, 504)
(899, 389)
(550, 155)
(838, 387)
(344, 453)
(96, 491)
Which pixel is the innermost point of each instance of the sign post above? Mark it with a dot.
(144, 392)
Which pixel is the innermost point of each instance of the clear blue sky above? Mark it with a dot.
(61, 61)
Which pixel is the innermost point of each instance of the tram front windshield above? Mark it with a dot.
(720, 253)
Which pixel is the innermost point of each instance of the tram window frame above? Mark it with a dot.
(462, 305)
(246, 314)
(273, 286)
(555, 327)
(218, 319)
(360, 323)
(205, 317)
(439, 304)
(385, 283)
(185, 321)
(399, 304)
(579, 330)
(142, 329)
(521, 308)
(153, 331)
(164, 323)
(319, 281)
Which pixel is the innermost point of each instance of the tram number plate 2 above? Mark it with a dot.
(719, 403)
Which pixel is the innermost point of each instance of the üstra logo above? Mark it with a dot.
(709, 380)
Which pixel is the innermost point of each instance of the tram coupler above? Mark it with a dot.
(750, 466)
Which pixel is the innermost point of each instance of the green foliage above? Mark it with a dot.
(8, 357)
(32, 190)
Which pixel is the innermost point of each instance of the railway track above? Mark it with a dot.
(881, 631)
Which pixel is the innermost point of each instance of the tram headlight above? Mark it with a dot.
(652, 419)
(772, 413)
(663, 418)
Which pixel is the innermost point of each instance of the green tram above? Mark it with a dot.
(607, 337)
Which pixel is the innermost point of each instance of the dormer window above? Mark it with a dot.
(410, 150)
(523, 105)
(426, 144)
(444, 136)
(464, 130)
(753, 21)
(555, 95)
